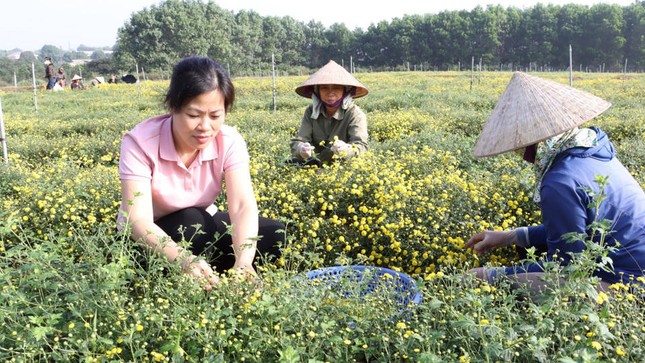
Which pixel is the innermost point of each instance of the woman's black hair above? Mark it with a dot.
(194, 76)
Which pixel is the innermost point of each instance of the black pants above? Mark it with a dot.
(208, 236)
(308, 162)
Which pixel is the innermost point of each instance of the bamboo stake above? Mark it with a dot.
(138, 83)
(570, 67)
(33, 76)
(3, 138)
(273, 77)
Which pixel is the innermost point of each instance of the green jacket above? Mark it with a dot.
(348, 125)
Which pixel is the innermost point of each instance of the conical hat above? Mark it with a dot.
(331, 73)
(531, 110)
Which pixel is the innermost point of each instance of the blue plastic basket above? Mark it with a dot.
(400, 286)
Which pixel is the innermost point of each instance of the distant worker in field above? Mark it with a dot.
(539, 119)
(96, 81)
(128, 78)
(332, 127)
(50, 73)
(173, 167)
(61, 77)
(76, 82)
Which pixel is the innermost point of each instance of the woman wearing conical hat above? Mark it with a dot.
(76, 82)
(332, 126)
(539, 119)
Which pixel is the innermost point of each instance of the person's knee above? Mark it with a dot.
(188, 224)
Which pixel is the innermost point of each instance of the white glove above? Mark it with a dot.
(305, 149)
(341, 146)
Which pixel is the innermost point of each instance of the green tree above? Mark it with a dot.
(141, 39)
(340, 44)
(315, 44)
(28, 56)
(221, 24)
(156, 37)
(246, 41)
(605, 47)
(273, 34)
(98, 54)
(634, 34)
(100, 67)
(422, 46)
(402, 35)
(570, 30)
(374, 45)
(295, 42)
(174, 29)
(450, 36)
(484, 33)
(6, 71)
(53, 52)
(540, 35)
(511, 47)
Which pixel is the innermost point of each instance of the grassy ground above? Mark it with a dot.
(74, 290)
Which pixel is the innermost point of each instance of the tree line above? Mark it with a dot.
(602, 37)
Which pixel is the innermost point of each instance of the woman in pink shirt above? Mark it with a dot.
(172, 168)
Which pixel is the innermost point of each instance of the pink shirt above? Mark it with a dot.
(148, 154)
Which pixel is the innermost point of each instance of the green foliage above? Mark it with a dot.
(602, 37)
(74, 289)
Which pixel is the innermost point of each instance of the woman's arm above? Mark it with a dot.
(243, 211)
(305, 134)
(136, 206)
(564, 209)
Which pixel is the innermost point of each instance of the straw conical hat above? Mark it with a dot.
(531, 110)
(331, 73)
(76, 77)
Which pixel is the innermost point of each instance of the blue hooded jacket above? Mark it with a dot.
(565, 208)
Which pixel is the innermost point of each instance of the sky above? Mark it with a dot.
(67, 24)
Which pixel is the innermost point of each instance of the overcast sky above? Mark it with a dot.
(30, 24)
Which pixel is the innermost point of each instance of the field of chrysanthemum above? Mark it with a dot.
(74, 290)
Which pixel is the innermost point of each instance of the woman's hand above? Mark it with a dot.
(485, 241)
(200, 270)
(243, 271)
(305, 150)
(246, 273)
(341, 147)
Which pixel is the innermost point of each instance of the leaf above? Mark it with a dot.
(289, 355)
(41, 332)
(435, 304)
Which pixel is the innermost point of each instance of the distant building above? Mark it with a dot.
(77, 62)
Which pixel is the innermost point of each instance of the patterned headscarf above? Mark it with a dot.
(549, 149)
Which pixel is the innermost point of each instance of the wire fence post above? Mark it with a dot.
(33, 76)
(570, 67)
(472, 72)
(273, 75)
(3, 138)
(138, 82)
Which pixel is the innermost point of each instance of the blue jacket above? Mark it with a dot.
(565, 209)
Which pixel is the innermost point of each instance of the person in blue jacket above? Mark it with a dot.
(539, 119)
